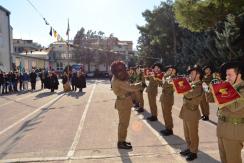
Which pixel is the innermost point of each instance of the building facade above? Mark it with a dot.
(20, 46)
(95, 54)
(5, 40)
(31, 60)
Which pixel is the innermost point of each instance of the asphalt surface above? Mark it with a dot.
(79, 127)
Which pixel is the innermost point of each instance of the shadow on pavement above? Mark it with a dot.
(75, 94)
(124, 155)
(176, 142)
(10, 142)
(44, 94)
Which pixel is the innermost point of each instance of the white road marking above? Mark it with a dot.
(81, 124)
(32, 113)
(18, 99)
(161, 139)
(36, 159)
(46, 159)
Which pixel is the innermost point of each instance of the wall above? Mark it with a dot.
(4, 41)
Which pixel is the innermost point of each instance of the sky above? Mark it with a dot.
(119, 17)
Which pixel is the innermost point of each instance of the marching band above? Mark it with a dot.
(199, 88)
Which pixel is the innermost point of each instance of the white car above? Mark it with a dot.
(90, 74)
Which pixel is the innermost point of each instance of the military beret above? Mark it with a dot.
(117, 66)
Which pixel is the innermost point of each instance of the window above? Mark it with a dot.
(59, 66)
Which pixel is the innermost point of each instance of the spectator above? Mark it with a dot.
(33, 80)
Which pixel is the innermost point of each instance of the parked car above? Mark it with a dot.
(90, 74)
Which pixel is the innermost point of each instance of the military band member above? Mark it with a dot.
(152, 91)
(190, 114)
(204, 105)
(230, 127)
(132, 79)
(167, 100)
(122, 89)
(139, 94)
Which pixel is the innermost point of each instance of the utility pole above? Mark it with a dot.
(68, 57)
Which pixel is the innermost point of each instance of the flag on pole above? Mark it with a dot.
(224, 93)
(55, 33)
(68, 29)
(21, 68)
(51, 31)
(181, 85)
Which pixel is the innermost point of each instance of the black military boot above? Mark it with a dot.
(128, 143)
(140, 110)
(185, 152)
(152, 118)
(124, 145)
(136, 104)
(191, 156)
(205, 118)
(166, 132)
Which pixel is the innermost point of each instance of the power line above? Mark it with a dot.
(40, 14)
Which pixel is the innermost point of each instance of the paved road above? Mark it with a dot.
(81, 127)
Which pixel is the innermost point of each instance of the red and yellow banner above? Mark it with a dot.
(158, 76)
(181, 85)
(224, 93)
(147, 72)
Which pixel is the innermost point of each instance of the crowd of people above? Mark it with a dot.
(128, 86)
(14, 82)
(73, 80)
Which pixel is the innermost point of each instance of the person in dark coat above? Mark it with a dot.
(5, 83)
(81, 82)
(20, 78)
(1, 82)
(10, 81)
(15, 81)
(42, 76)
(33, 80)
(52, 81)
(74, 80)
(26, 79)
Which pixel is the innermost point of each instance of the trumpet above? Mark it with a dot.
(206, 87)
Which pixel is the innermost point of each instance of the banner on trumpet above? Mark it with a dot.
(159, 76)
(224, 93)
(148, 72)
(181, 85)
